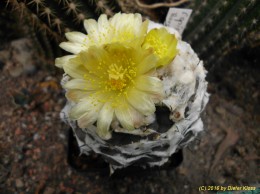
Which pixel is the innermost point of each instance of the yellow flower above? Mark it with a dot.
(120, 28)
(112, 82)
(163, 43)
(112, 71)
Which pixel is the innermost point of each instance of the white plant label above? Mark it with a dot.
(177, 18)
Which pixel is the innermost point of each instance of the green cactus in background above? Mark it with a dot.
(59, 16)
(46, 21)
(218, 27)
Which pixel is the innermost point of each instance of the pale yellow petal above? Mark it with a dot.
(87, 119)
(86, 105)
(115, 19)
(86, 112)
(147, 64)
(141, 101)
(92, 28)
(76, 37)
(149, 84)
(103, 24)
(74, 68)
(59, 62)
(138, 18)
(125, 116)
(125, 21)
(144, 27)
(140, 27)
(104, 120)
(80, 109)
(80, 84)
(91, 25)
(92, 59)
(77, 95)
(72, 47)
(126, 28)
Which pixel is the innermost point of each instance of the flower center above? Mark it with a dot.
(112, 73)
(120, 75)
(163, 44)
(159, 47)
(117, 77)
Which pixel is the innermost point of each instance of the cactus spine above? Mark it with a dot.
(47, 20)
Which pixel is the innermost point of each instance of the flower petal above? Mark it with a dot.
(147, 64)
(140, 27)
(80, 84)
(80, 109)
(72, 47)
(116, 19)
(86, 112)
(126, 28)
(93, 57)
(88, 119)
(59, 62)
(149, 84)
(125, 116)
(104, 120)
(77, 95)
(141, 101)
(91, 27)
(74, 68)
(103, 23)
(86, 105)
(77, 37)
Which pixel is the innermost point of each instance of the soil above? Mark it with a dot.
(34, 141)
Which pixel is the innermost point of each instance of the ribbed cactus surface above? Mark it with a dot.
(59, 16)
(172, 126)
(218, 27)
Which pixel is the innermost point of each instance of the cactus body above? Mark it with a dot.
(174, 124)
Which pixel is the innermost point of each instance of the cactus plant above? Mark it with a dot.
(59, 16)
(134, 93)
(217, 27)
(47, 21)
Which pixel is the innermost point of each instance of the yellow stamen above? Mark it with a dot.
(160, 48)
(119, 76)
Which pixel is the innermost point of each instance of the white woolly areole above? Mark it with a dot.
(154, 142)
